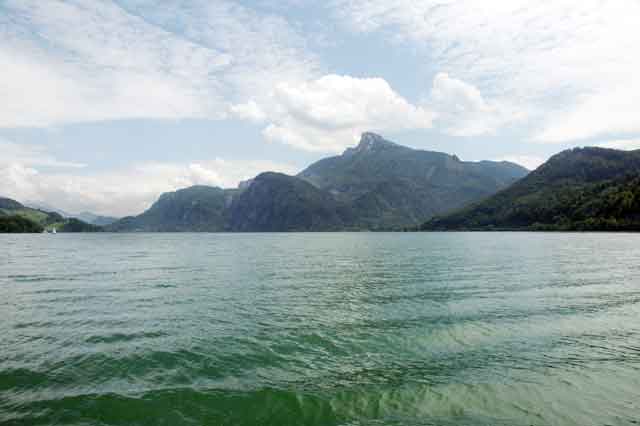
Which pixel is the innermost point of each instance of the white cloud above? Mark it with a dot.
(463, 111)
(623, 144)
(570, 65)
(112, 192)
(614, 111)
(250, 111)
(328, 113)
(18, 181)
(82, 60)
(31, 155)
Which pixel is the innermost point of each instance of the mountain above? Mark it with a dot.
(40, 205)
(376, 185)
(76, 225)
(277, 202)
(578, 189)
(88, 217)
(7, 204)
(9, 207)
(393, 186)
(18, 225)
(196, 209)
(16, 217)
(94, 219)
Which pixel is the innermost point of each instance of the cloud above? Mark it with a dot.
(569, 65)
(31, 155)
(77, 61)
(18, 181)
(329, 113)
(622, 144)
(595, 115)
(250, 111)
(112, 192)
(463, 111)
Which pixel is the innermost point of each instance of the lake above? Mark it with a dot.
(320, 329)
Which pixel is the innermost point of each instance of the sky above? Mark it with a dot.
(105, 104)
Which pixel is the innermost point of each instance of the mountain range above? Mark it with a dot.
(380, 185)
(581, 189)
(88, 217)
(376, 185)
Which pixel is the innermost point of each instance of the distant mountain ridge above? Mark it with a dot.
(16, 217)
(576, 190)
(376, 185)
(88, 217)
(95, 219)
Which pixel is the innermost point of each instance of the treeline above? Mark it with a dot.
(18, 224)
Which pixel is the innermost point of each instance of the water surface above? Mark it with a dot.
(320, 329)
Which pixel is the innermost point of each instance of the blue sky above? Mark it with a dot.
(104, 104)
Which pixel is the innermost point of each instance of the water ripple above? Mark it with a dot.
(321, 329)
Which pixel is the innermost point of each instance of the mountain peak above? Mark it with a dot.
(370, 137)
(370, 142)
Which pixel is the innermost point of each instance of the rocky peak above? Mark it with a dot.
(369, 142)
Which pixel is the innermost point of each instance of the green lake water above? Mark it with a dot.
(446, 329)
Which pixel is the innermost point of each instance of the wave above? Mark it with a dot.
(267, 406)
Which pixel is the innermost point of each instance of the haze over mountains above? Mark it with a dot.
(88, 217)
(376, 185)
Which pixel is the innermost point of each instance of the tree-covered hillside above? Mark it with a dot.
(15, 224)
(277, 202)
(195, 209)
(42, 220)
(579, 189)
